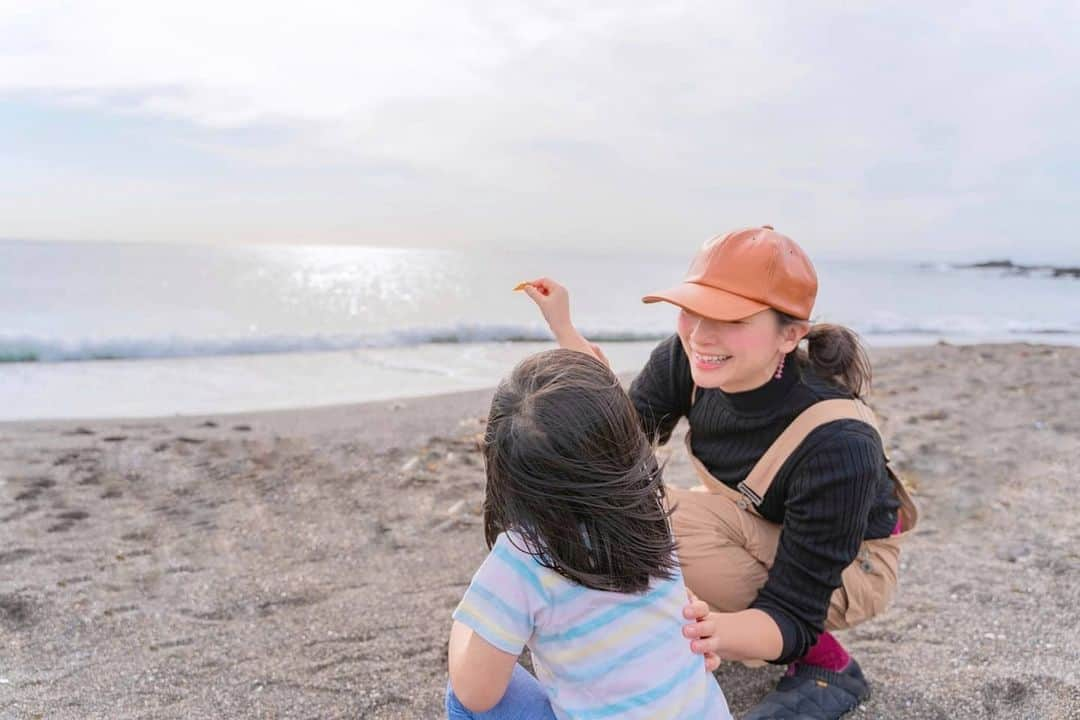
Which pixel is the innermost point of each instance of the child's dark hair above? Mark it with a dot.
(571, 472)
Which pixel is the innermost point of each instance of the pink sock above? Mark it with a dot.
(827, 653)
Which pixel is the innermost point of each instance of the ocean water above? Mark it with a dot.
(90, 329)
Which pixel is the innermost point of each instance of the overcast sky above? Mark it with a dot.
(912, 129)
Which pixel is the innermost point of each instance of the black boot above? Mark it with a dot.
(813, 693)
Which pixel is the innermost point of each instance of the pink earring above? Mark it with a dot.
(780, 369)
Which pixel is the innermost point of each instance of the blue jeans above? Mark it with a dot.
(524, 700)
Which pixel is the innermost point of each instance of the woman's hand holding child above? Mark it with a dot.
(698, 611)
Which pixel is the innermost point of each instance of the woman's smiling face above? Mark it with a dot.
(738, 355)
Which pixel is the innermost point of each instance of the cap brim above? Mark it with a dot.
(708, 301)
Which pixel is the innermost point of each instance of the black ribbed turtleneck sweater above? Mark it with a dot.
(832, 493)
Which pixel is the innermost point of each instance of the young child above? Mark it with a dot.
(582, 567)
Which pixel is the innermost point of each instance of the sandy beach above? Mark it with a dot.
(304, 564)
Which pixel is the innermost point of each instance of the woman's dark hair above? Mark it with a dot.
(570, 472)
(835, 354)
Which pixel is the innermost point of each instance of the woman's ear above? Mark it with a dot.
(792, 334)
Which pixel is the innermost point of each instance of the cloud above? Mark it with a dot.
(617, 122)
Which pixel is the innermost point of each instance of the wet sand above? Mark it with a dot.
(304, 564)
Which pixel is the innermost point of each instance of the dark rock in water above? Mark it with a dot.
(990, 265)
(1017, 269)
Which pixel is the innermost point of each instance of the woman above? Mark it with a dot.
(798, 530)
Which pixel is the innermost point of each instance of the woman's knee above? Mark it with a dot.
(868, 586)
(727, 577)
(731, 595)
(719, 551)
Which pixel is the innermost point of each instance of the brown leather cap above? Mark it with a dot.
(743, 273)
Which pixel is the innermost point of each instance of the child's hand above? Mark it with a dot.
(553, 301)
(698, 610)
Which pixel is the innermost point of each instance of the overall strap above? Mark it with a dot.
(764, 472)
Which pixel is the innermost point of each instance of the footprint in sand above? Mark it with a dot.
(78, 457)
(15, 555)
(181, 569)
(19, 512)
(36, 485)
(123, 609)
(67, 520)
(93, 477)
(182, 642)
(16, 611)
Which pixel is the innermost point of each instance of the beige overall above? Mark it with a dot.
(726, 548)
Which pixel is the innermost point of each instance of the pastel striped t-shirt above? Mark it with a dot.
(597, 654)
